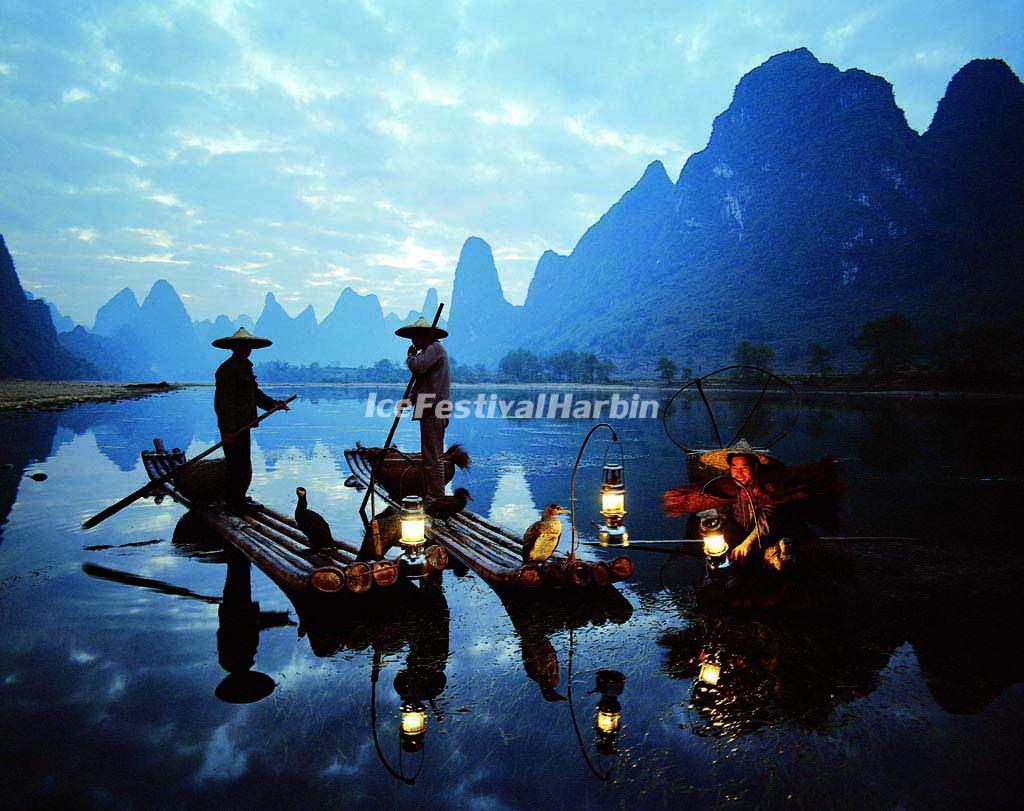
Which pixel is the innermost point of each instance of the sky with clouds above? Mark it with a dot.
(239, 148)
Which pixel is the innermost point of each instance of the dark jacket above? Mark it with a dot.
(237, 395)
(433, 376)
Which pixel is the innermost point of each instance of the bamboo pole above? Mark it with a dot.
(147, 488)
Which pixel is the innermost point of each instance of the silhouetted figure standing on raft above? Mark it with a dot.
(235, 402)
(431, 397)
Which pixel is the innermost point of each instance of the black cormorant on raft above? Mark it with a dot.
(271, 540)
(495, 553)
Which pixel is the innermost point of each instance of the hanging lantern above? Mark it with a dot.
(613, 507)
(610, 684)
(414, 523)
(414, 726)
(413, 520)
(715, 547)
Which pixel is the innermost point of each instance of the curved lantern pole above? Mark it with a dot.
(573, 542)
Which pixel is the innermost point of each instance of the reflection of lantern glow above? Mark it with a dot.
(608, 722)
(710, 673)
(414, 522)
(715, 545)
(414, 719)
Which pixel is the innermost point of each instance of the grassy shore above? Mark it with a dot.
(51, 395)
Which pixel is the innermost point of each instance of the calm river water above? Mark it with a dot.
(114, 658)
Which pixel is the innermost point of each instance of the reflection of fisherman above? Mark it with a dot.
(238, 636)
(427, 359)
(235, 401)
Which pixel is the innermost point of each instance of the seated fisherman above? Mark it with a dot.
(761, 501)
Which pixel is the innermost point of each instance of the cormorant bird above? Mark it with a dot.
(541, 538)
(312, 524)
(447, 506)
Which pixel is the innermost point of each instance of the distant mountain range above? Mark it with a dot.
(813, 208)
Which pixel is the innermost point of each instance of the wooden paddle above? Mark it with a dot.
(391, 433)
(146, 488)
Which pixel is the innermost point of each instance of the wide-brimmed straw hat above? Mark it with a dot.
(418, 327)
(719, 459)
(242, 338)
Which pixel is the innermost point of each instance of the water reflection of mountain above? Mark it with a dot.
(959, 614)
(123, 430)
(27, 440)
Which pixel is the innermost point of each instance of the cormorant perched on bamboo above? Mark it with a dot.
(541, 538)
(312, 524)
(447, 506)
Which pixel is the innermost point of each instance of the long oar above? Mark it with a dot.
(146, 488)
(391, 433)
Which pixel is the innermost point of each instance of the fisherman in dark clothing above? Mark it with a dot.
(235, 401)
(762, 501)
(431, 397)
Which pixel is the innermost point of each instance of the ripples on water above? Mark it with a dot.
(122, 666)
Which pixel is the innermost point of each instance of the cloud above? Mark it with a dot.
(511, 113)
(836, 36)
(154, 236)
(82, 234)
(148, 259)
(412, 256)
(75, 94)
(632, 144)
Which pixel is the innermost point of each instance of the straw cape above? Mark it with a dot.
(242, 338)
(419, 326)
(719, 459)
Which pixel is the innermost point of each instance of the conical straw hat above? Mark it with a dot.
(719, 459)
(420, 325)
(242, 338)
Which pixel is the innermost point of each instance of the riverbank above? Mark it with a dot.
(52, 395)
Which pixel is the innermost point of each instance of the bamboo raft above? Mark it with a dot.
(494, 552)
(276, 545)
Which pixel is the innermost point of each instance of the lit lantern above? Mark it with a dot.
(710, 673)
(715, 545)
(716, 550)
(414, 523)
(414, 726)
(613, 506)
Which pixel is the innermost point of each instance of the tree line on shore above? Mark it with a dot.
(891, 348)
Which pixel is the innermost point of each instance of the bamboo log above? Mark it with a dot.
(554, 575)
(312, 556)
(437, 558)
(359, 577)
(384, 572)
(328, 579)
(345, 547)
(277, 568)
(531, 576)
(622, 568)
(577, 573)
(488, 553)
(340, 554)
(601, 573)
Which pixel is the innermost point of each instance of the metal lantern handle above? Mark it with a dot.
(622, 455)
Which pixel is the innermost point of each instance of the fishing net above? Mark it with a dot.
(728, 405)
